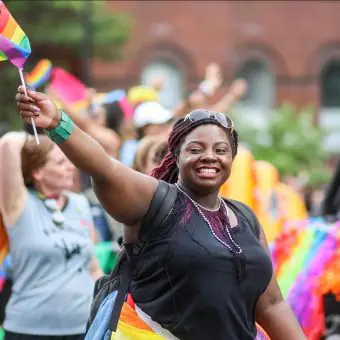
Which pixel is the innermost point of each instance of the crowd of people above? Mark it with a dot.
(206, 272)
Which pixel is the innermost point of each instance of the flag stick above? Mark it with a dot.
(32, 120)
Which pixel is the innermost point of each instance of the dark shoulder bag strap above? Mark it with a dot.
(160, 207)
(248, 214)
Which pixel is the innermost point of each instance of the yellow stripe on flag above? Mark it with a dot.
(18, 35)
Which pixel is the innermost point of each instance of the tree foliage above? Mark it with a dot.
(57, 31)
(290, 141)
(61, 23)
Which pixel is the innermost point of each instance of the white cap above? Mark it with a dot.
(150, 113)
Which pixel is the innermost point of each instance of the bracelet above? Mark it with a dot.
(62, 131)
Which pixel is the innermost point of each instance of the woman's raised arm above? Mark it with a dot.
(12, 188)
(125, 193)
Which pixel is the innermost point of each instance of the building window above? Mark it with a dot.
(330, 84)
(172, 92)
(260, 99)
(330, 104)
(261, 84)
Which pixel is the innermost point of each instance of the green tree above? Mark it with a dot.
(56, 31)
(290, 141)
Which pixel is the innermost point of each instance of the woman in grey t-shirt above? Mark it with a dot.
(49, 231)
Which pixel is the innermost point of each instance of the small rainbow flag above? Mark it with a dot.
(40, 74)
(14, 44)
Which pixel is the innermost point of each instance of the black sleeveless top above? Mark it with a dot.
(186, 280)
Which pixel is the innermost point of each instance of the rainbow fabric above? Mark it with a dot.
(40, 74)
(132, 327)
(69, 89)
(3, 241)
(14, 44)
(306, 259)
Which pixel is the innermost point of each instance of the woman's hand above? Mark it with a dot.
(214, 76)
(238, 88)
(39, 106)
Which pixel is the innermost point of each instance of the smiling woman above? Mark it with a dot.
(206, 158)
(206, 271)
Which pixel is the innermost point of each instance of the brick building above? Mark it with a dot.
(288, 50)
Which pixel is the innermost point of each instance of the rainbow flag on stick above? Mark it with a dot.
(40, 74)
(15, 47)
(14, 44)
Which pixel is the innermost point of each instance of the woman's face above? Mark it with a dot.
(56, 175)
(205, 159)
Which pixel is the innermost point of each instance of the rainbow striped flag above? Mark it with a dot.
(40, 74)
(132, 327)
(134, 324)
(14, 44)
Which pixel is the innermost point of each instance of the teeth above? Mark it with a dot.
(207, 170)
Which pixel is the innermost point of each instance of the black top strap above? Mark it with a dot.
(124, 286)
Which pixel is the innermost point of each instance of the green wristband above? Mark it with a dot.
(62, 131)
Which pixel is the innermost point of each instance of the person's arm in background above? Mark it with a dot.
(273, 314)
(200, 97)
(13, 192)
(94, 268)
(236, 91)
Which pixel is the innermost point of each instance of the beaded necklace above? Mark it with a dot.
(238, 255)
(227, 228)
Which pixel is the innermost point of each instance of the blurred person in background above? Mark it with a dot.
(150, 119)
(50, 232)
(150, 153)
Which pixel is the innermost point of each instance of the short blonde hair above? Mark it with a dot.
(145, 145)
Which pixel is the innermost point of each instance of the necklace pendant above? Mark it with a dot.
(58, 218)
(51, 204)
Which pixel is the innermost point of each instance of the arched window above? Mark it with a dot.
(330, 85)
(260, 98)
(172, 92)
(330, 104)
(261, 84)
